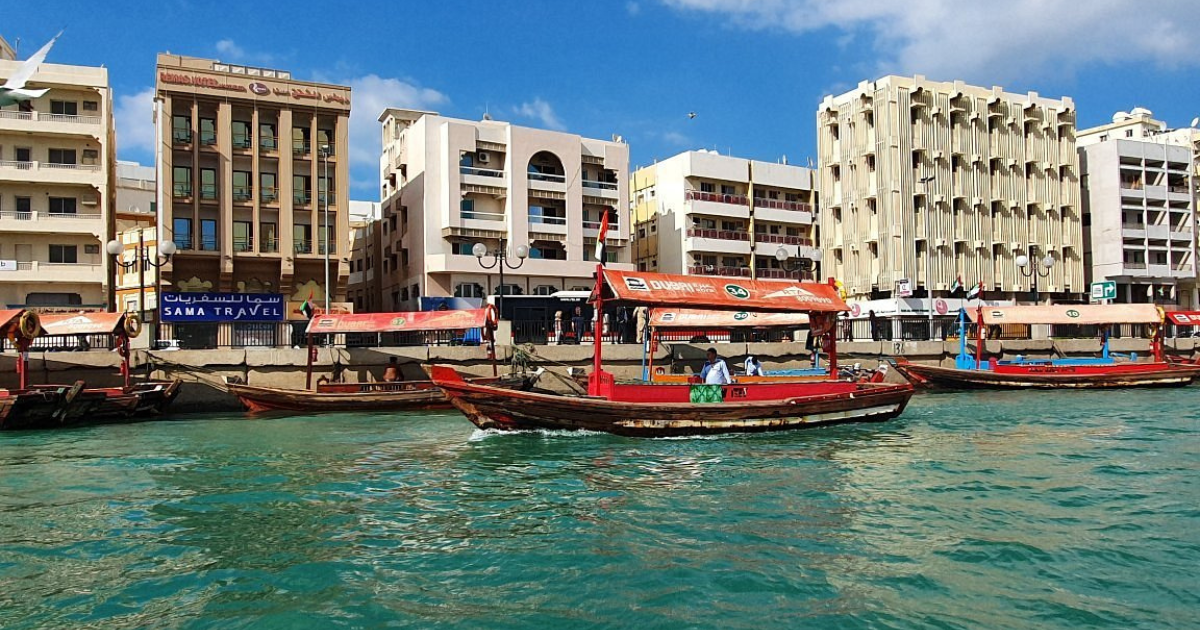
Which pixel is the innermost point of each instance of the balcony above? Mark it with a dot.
(242, 141)
(181, 137)
(481, 176)
(331, 245)
(302, 246)
(721, 241)
(606, 190)
(782, 274)
(327, 198)
(208, 138)
(471, 215)
(243, 194)
(245, 244)
(52, 173)
(269, 246)
(783, 239)
(733, 206)
(269, 195)
(725, 235)
(40, 122)
(547, 181)
(710, 270)
(208, 192)
(45, 272)
(304, 147)
(181, 191)
(268, 144)
(208, 243)
(301, 198)
(51, 222)
(183, 242)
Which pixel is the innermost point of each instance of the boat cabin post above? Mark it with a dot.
(22, 345)
(123, 350)
(831, 336)
(979, 340)
(312, 350)
(597, 333)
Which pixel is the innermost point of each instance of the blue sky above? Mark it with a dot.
(754, 71)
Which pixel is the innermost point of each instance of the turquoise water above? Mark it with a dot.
(1040, 510)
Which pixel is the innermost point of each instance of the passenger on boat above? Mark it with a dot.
(715, 371)
(753, 367)
(392, 373)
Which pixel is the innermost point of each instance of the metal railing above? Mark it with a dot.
(332, 245)
(208, 191)
(243, 244)
(327, 198)
(301, 198)
(243, 193)
(482, 172)
(782, 239)
(269, 246)
(268, 143)
(208, 138)
(547, 177)
(183, 241)
(181, 137)
(776, 204)
(181, 191)
(714, 270)
(725, 235)
(208, 244)
(697, 195)
(243, 141)
(589, 183)
(481, 216)
(547, 219)
(301, 148)
(269, 195)
(302, 247)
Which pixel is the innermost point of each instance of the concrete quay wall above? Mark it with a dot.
(285, 367)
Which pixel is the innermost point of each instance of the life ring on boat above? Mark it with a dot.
(660, 371)
(1154, 331)
(29, 325)
(491, 316)
(133, 325)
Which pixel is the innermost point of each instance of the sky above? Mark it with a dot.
(752, 71)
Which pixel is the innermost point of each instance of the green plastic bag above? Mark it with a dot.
(707, 394)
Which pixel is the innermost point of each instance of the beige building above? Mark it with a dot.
(1139, 208)
(925, 184)
(449, 184)
(255, 167)
(56, 183)
(365, 290)
(694, 213)
(134, 209)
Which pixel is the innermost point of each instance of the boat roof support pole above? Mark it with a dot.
(979, 339)
(830, 336)
(22, 345)
(312, 350)
(123, 350)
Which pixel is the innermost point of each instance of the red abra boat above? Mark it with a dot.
(664, 410)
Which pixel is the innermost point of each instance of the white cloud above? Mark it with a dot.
(986, 42)
(229, 50)
(134, 118)
(542, 112)
(369, 96)
(633, 8)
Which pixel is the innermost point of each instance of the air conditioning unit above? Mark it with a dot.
(90, 201)
(483, 157)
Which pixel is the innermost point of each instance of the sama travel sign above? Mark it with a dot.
(223, 307)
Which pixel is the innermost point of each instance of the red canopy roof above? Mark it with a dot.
(660, 289)
(1184, 318)
(81, 323)
(8, 320)
(667, 317)
(1070, 314)
(394, 322)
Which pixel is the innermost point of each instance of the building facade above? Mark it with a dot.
(1139, 209)
(134, 209)
(365, 288)
(708, 214)
(255, 172)
(449, 184)
(56, 185)
(926, 186)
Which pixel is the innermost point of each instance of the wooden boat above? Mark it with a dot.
(25, 407)
(393, 396)
(1189, 319)
(1079, 373)
(644, 409)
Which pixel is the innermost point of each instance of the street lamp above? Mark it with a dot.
(325, 151)
(166, 249)
(1030, 271)
(500, 259)
(804, 264)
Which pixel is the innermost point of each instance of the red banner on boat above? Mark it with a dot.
(695, 318)
(395, 322)
(81, 323)
(1182, 318)
(1070, 314)
(660, 289)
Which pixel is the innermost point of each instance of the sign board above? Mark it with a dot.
(904, 288)
(1106, 290)
(318, 308)
(222, 307)
(8, 265)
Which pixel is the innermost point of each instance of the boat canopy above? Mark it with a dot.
(660, 289)
(8, 321)
(696, 318)
(1181, 318)
(1069, 314)
(399, 322)
(82, 323)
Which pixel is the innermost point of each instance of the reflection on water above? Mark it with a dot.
(973, 510)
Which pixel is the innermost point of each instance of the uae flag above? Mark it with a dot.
(601, 250)
(957, 286)
(975, 291)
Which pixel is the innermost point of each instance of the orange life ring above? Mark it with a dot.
(29, 325)
(491, 316)
(133, 325)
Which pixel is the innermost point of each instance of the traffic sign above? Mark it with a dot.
(1106, 290)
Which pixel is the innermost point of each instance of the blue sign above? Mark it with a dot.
(222, 307)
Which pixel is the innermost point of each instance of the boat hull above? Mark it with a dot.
(407, 396)
(1053, 377)
(508, 410)
(52, 406)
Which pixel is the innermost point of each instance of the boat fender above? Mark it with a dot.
(29, 325)
(133, 325)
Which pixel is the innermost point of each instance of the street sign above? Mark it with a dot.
(904, 288)
(1106, 290)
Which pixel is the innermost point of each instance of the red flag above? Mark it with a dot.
(601, 253)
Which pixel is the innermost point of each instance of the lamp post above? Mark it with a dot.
(1030, 271)
(500, 259)
(325, 151)
(166, 249)
(804, 264)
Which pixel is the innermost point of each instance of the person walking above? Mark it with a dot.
(578, 322)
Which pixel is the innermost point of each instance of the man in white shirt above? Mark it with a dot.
(753, 367)
(715, 371)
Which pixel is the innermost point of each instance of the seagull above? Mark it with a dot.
(691, 114)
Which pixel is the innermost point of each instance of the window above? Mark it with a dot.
(302, 238)
(301, 190)
(416, 291)
(728, 190)
(467, 160)
(268, 237)
(242, 241)
(325, 190)
(62, 156)
(266, 137)
(545, 289)
(324, 236)
(208, 183)
(91, 106)
(325, 140)
(181, 129)
(208, 235)
(459, 248)
(24, 205)
(468, 290)
(182, 181)
(91, 249)
(208, 131)
(467, 208)
(241, 134)
(23, 154)
(64, 108)
(62, 205)
(243, 189)
(267, 184)
(1128, 133)
(64, 254)
(707, 187)
(300, 144)
(91, 157)
(183, 232)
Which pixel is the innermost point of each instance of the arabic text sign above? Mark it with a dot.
(222, 307)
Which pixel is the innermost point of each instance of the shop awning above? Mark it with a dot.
(1184, 318)
(81, 323)
(1069, 314)
(663, 317)
(660, 289)
(396, 322)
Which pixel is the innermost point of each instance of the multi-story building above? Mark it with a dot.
(56, 182)
(708, 214)
(256, 175)
(1139, 208)
(926, 185)
(136, 203)
(364, 290)
(449, 184)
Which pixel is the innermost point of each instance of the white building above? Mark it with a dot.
(1139, 208)
(449, 184)
(695, 213)
(56, 156)
(134, 209)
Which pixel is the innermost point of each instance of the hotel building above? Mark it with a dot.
(56, 183)
(255, 171)
(449, 184)
(925, 184)
(708, 214)
(1139, 210)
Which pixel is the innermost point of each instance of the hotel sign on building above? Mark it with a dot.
(254, 87)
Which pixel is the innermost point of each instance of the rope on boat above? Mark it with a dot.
(202, 373)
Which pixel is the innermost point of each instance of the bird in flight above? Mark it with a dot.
(691, 114)
(14, 90)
